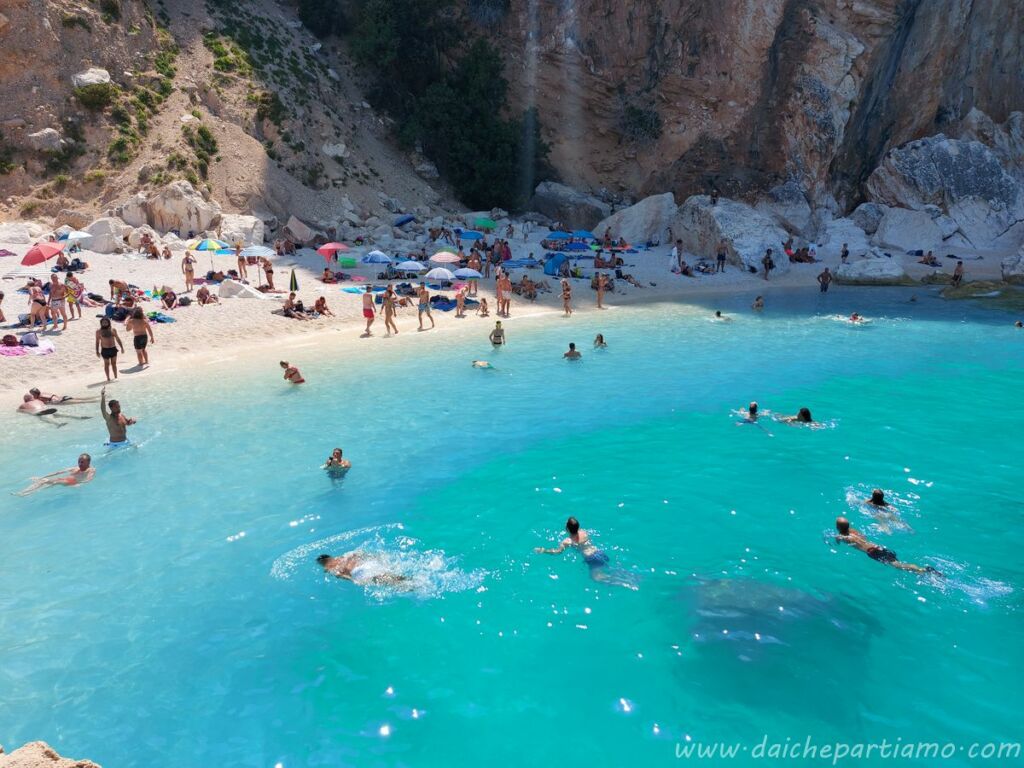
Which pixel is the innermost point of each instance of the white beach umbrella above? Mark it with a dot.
(440, 273)
(411, 266)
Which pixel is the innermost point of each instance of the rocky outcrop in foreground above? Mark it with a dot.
(39, 754)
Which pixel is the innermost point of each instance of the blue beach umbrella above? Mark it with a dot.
(583, 233)
(376, 257)
(467, 273)
(559, 236)
(471, 234)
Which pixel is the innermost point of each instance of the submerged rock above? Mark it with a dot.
(645, 221)
(747, 233)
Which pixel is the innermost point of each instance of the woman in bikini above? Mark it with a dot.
(107, 342)
(387, 306)
(138, 325)
(291, 373)
(189, 270)
(268, 270)
(37, 311)
(58, 303)
(567, 297)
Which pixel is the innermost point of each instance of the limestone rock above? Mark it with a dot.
(1006, 140)
(942, 172)
(74, 219)
(575, 209)
(840, 231)
(133, 210)
(867, 216)
(235, 227)
(337, 151)
(15, 233)
(427, 170)
(904, 230)
(873, 271)
(178, 206)
(39, 754)
(787, 205)
(298, 231)
(107, 235)
(135, 236)
(1013, 268)
(748, 233)
(46, 140)
(988, 226)
(93, 76)
(646, 221)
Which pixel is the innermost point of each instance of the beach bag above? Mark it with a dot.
(184, 301)
(9, 340)
(29, 339)
(95, 296)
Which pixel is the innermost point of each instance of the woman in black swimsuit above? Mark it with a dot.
(107, 342)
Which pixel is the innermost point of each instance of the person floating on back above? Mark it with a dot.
(82, 473)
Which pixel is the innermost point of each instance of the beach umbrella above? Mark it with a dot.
(467, 274)
(440, 273)
(559, 236)
(208, 244)
(583, 233)
(484, 223)
(75, 234)
(445, 257)
(293, 284)
(577, 247)
(41, 252)
(470, 234)
(411, 266)
(376, 257)
(329, 249)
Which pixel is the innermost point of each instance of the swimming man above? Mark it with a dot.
(82, 473)
(853, 537)
(360, 569)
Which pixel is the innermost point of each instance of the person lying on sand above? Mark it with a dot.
(361, 569)
(82, 473)
(853, 537)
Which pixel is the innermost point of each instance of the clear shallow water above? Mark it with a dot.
(172, 613)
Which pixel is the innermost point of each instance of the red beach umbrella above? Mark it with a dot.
(41, 252)
(327, 250)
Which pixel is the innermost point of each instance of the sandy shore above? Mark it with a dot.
(204, 333)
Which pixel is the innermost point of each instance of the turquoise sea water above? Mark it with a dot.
(171, 613)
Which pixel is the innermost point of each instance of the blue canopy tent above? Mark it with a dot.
(553, 264)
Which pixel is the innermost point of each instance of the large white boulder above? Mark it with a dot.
(236, 227)
(868, 216)
(988, 226)
(92, 76)
(838, 232)
(1013, 268)
(135, 236)
(107, 235)
(15, 233)
(178, 206)
(905, 230)
(643, 222)
(298, 231)
(46, 140)
(573, 208)
(787, 205)
(747, 233)
(133, 211)
(873, 271)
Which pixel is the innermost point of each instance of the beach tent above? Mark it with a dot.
(552, 265)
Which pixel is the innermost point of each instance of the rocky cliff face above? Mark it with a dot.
(752, 93)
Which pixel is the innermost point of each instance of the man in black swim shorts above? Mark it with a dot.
(856, 539)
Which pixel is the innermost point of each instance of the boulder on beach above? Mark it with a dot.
(107, 235)
(136, 235)
(39, 754)
(236, 227)
(873, 271)
(15, 232)
(868, 216)
(178, 206)
(643, 222)
(748, 234)
(575, 209)
(904, 230)
(787, 205)
(298, 231)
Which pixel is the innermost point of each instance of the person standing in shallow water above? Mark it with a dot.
(768, 263)
(117, 423)
(824, 279)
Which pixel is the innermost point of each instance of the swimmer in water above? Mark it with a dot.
(360, 569)
(595, 559)
(758, 304)
(853, 537)
(482, 364)
(855, 318)
(877, 499)
(752, 412)
(884, 513)
(291, 373)
(573, 353)
(599, 342)
(336, 463)
(80, 474)
(803, 416)
(722, 318)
